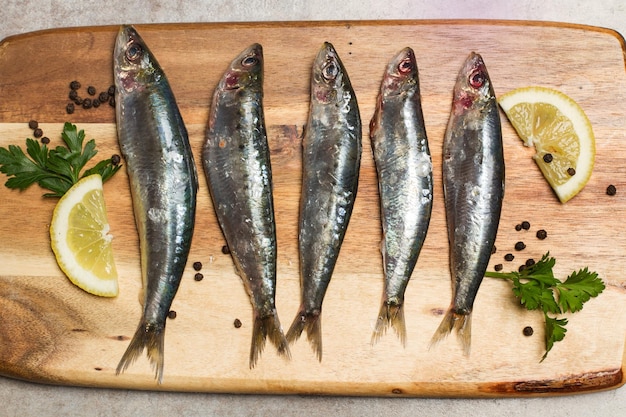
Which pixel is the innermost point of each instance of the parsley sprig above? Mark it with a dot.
(53, 169)
(537, 288)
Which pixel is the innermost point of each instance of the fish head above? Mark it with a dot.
(328, 75)
(245, 71)
(473, 86)
(401, 74)
(134, 66)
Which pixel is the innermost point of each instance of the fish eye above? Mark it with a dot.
(249, 61)
(330, 71)
(134, 52)
(405, 66)
(477, 79)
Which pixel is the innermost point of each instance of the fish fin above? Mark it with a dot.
(462, 323)
(312, 323)
(390, 315)
(264, 327)
(148, 336)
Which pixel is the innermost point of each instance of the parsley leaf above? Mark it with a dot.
(53, 169)
(537, 288)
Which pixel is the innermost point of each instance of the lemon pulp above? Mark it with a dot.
(80, 238)
(560, 132)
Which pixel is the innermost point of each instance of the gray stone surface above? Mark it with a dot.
(27, 399)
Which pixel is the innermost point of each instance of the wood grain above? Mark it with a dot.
(52, 332)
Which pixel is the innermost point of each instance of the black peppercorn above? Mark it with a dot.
(91, 90)
(198, 276)
(103, 97)
(520, 246)
(37, 133)
(45, 140)
(528, 331)
(493, 249)
(530, 262)
(115, 159)
(74, 85)
(69, 108)
(225, 250)
(112, 101)
(498, 267)
(611, 190)
(78, 101)
(73, 95)
(87, 103)
(547, 158)
(525, 225)
(171, 314)
(521, 268)
(111, 90)
(95, 103)
(542, 234)
(571, 172)
(518, 227)
(237, 323)
(509, 257)
(33, 124)
(197, 266)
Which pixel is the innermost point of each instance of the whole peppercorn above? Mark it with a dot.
(73, 95)
(525, 225)
(171, 314)
(74, 85)
(95, 103)
(78, 101)
(91, 90)
(33, 124)
(87, 103)
(530, 262)
(45, 140)
(237, 323)
(547, 158)
(197, 266)
(112, 101)
(37, 133)
(493, 249)
(518, 227)
(111, 90)
(498, 267)
(528, 331)
(521, 268)
(542, 234)
(509, 257)
(198, 276)
(571, 172)
(225, 250)
(611, 190)
(520, 246)
(103, 97)
(116, 159)
(69, 108)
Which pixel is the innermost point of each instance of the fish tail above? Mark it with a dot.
(265, 327)
(312, 323)
(150, 337)
(461, 322)
(390, 315)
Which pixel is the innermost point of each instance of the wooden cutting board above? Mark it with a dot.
(52, 332)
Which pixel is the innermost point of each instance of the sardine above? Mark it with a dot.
(473, 181)
(163, 185)
(236, 160)
(405, 183)
(331, 161)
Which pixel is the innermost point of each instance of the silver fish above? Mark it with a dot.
(236, 160)
(405, 182)
(163, 184)
(331, 161)
(473, 180)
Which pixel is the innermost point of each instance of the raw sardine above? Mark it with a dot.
(236, 160)
(163, 185)
(405, 183)
(331, 161)
(473, 181)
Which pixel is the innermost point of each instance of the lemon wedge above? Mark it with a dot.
(560, 132)
(80, 238)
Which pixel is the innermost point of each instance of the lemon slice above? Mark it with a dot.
(561, 133)
(80, 238)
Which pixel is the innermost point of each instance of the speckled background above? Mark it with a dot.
(19, 398)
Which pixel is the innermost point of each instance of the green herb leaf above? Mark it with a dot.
(53, 169)
(537, 288)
